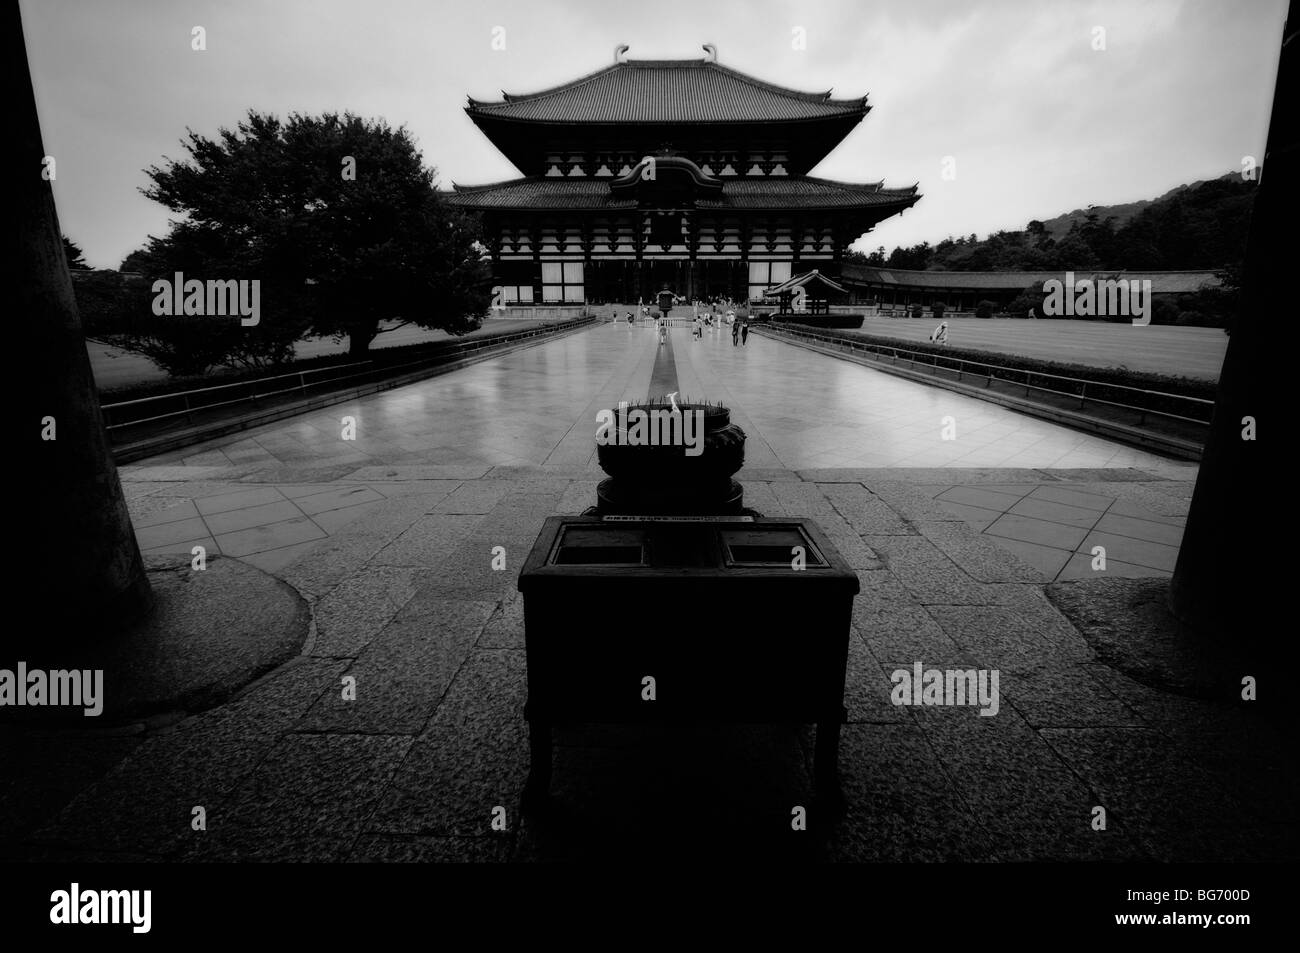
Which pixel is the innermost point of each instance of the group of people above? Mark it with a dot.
(739, 332)
(739, 328)
(708, 313)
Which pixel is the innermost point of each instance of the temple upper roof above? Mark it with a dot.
(669, 91)
(728, 124)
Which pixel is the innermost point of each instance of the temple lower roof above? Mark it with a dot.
(776, 193)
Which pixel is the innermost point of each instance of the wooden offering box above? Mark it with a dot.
(732, 619)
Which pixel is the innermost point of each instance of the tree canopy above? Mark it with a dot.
(76, 258)
(1202, 226)
(336, 215)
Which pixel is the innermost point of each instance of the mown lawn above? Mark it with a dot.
(1187, 352)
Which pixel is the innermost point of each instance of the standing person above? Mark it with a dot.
(744, 331)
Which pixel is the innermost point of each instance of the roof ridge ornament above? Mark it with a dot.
(712, 51)
(619, 51)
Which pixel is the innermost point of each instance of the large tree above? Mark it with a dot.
(189, 345)
(76, 258)
(340, 214)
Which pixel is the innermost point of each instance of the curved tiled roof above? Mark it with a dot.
(780, 192)
(798, 281)
(689, 91)
(808, 192)
(537, 193)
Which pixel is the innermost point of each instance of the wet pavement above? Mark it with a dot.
(390, 539)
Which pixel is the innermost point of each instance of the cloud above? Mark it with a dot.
(1038, 122)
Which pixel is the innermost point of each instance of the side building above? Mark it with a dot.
(895, 292)
(677, 174)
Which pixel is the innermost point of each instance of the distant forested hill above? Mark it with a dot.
(1197, 226)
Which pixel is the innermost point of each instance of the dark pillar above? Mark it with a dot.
(1235, 539)
(80, 562)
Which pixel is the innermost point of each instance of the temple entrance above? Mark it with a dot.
(719, 279)
(657, 274)
(627, 282)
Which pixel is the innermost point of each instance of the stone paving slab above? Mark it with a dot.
(472, 758)
(44, 771)
(428, 538)
(688, 791)
(403, 673)
(1053, 695)
(1144, 783)
(976, 554)
(145, 803)
(387, 849)
(349, 618)
(1007, 638)
(1036, 508)
(866, 695)
(306, 802)
(418, 472)
(1137, 552)
(1027, 798)
(146, 511)
(404, 598)
(1049, 561)
(926, 572)
(902, 805)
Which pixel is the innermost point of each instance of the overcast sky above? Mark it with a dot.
(1038, 122)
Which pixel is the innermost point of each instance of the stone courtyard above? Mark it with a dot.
(960, 547)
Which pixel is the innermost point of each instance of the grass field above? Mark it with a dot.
(113, 367)
(1187, 352)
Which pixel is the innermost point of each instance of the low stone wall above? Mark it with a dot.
(537, 312)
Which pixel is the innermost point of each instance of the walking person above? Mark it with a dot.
(735, 333)
(744, 332)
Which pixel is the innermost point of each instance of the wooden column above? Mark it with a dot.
(1229, 580)
(80, 572)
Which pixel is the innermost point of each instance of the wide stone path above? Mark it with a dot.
(537, 407)
(390, 538)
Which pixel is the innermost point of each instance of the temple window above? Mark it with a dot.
(562, 282)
